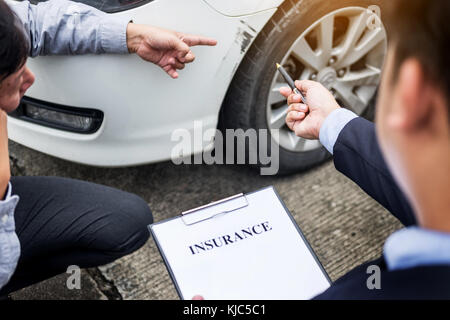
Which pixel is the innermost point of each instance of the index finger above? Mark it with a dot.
(285, 91)
(193, 40)
(304, 85)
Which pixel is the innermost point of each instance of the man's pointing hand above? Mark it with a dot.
(168, 49)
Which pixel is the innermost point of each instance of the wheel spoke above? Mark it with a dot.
(296, 142)
(306, 74)
(367, 77)
(346, 95)
(369, 42)
(275, 95)
(355, 30)
(278, 118)
(303, 52)
(366, 93)
(325, 36)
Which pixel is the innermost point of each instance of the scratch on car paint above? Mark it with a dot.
(246, 39)
(248, 26)
(245, 36)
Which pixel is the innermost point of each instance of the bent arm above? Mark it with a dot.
(61, 27)
(353, 142)
(358, 156)
(9, 243)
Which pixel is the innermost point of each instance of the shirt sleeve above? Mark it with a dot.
(333, 125)
(61, 27)
(9, 242)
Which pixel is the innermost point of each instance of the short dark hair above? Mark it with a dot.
(14, 45)
(419, 29)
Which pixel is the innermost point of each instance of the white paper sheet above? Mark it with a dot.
(274, 262)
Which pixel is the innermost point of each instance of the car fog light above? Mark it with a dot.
(72, 119)
(68, 120)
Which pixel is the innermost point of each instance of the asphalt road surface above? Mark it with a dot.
(343, 225)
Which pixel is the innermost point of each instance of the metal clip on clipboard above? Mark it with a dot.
(214, 209)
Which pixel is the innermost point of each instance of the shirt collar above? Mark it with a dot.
(414, 247)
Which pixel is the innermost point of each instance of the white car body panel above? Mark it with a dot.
(238, 7)
(141, 104)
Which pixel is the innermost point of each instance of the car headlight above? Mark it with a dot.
(109, 6)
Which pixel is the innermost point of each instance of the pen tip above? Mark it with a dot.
(278, 66)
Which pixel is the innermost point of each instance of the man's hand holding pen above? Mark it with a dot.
(306, 120)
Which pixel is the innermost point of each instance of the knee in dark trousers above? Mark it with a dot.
(127, 229)
(62, 222)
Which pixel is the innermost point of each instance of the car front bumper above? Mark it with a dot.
(142, 106)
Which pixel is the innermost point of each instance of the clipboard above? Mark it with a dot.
(250, 263)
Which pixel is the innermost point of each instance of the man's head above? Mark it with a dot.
(413, 117)
(15, 77)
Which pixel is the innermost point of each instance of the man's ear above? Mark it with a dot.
(413, 94)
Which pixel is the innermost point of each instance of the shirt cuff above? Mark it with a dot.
(333, 125)
(113, 34)
(7, 208)
(7, 193)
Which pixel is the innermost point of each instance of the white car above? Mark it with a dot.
(117, 110)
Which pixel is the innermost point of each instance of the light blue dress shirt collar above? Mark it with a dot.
(407, 248)
(415, 247)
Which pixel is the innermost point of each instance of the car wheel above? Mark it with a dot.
(334, 42)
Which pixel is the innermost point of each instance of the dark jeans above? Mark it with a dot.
(62, 222)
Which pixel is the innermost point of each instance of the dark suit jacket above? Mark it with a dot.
(358, 156)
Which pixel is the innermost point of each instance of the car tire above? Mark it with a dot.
(245, 103)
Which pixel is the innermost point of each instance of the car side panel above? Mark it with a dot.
(239, 7)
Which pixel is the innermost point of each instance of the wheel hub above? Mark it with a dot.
(327, 77)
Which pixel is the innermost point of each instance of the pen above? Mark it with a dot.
(290, 82)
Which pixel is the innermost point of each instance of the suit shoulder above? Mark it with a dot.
(430, 282)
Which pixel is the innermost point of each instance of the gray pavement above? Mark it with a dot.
(344, 226)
